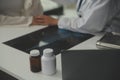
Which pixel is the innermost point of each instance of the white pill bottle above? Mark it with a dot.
(48, 62)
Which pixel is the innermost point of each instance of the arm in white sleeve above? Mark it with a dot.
(94, 16)
(15, 20)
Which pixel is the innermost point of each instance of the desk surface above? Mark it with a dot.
(16, 62)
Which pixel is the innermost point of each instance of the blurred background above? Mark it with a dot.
(61, 8)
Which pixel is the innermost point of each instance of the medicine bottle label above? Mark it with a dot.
(35, 64)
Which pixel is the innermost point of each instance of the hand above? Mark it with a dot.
(45, 20)
(34, 21)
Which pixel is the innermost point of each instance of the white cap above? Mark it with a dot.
(34, 52)
(48, 52)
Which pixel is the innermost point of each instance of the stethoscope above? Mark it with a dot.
(79, 5)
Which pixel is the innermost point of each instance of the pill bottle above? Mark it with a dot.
(35, 60)
(48, 62)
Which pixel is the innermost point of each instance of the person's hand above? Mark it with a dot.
(34, 21)
(44, 20)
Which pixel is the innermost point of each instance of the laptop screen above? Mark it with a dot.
(91, 65)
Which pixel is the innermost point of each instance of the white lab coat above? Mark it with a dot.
(65, 2)
(95, 14)
(19, 12)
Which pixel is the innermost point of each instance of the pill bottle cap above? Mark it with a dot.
(48, 52)
(34, 52)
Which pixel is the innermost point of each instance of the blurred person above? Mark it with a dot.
(19, 12)
(92, 17)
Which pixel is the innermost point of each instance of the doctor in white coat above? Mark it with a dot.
(92, 16)
(19, 12)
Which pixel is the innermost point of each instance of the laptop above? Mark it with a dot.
(91, 64)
